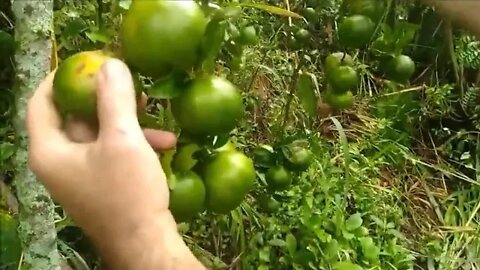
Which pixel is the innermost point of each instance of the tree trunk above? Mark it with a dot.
(32, 58)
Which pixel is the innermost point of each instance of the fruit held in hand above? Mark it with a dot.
(75, 84)
(208, 106)
(158, 36)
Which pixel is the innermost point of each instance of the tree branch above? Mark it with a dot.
(32, 58)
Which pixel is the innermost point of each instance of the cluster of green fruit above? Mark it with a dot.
(342, 79)
(208, 178)
(237, 40)
(297, 38)
(167, 41)
(279, 166)
(357, 30)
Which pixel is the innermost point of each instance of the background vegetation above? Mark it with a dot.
(396, 178)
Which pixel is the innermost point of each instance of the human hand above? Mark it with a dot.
(112, 185)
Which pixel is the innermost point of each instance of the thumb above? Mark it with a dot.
(116, 102)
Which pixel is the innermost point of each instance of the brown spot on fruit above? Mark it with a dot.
(80, 68)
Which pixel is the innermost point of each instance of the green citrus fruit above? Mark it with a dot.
(293, 43)
(248, 35)
(228, 177)
(302, 35)
(278, 178)
(75, 84)
(208, 106)
(339, 101)
(299, 158)
(371, 8)
(336, 60)
(400, 68)
(184, 159)
(264, 155)
(356, 31)
(158, 36)
(310, 14)
(187, 198)
(343, 79)
(268, 204)
(235, 48)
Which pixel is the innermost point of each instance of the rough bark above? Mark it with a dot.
(36, 209)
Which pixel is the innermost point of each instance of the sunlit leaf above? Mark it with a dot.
(125, 4)
(98, 36)
(306, 85)
(212, 43)
(369, 249)
(291, 242)
(354, 222)
(347, 266)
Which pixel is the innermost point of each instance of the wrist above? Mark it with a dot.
(150, 242)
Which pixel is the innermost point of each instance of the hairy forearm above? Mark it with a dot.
(151, 244)
(462, 12)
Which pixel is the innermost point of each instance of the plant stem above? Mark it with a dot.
(291, 94)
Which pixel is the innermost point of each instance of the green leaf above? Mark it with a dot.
(277, 243)
(228, 12)
(347, 266)
(345, 148)
(404, 34)
(369, 249)
(212, 43)
(98, 36)
(74, 27)
(10, 247)
(322, 235)
(6, 151)
(263, 267)
(264, 254)
(271, 9)
(291, 243)
(354, 222)
(7, 44)
(125, 4)
(164, 89)
(306, 85)
(332, 249)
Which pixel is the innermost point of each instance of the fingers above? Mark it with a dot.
(43, 121)
(160, 140)
(117, 109)
(142, 104)
(80, 131)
